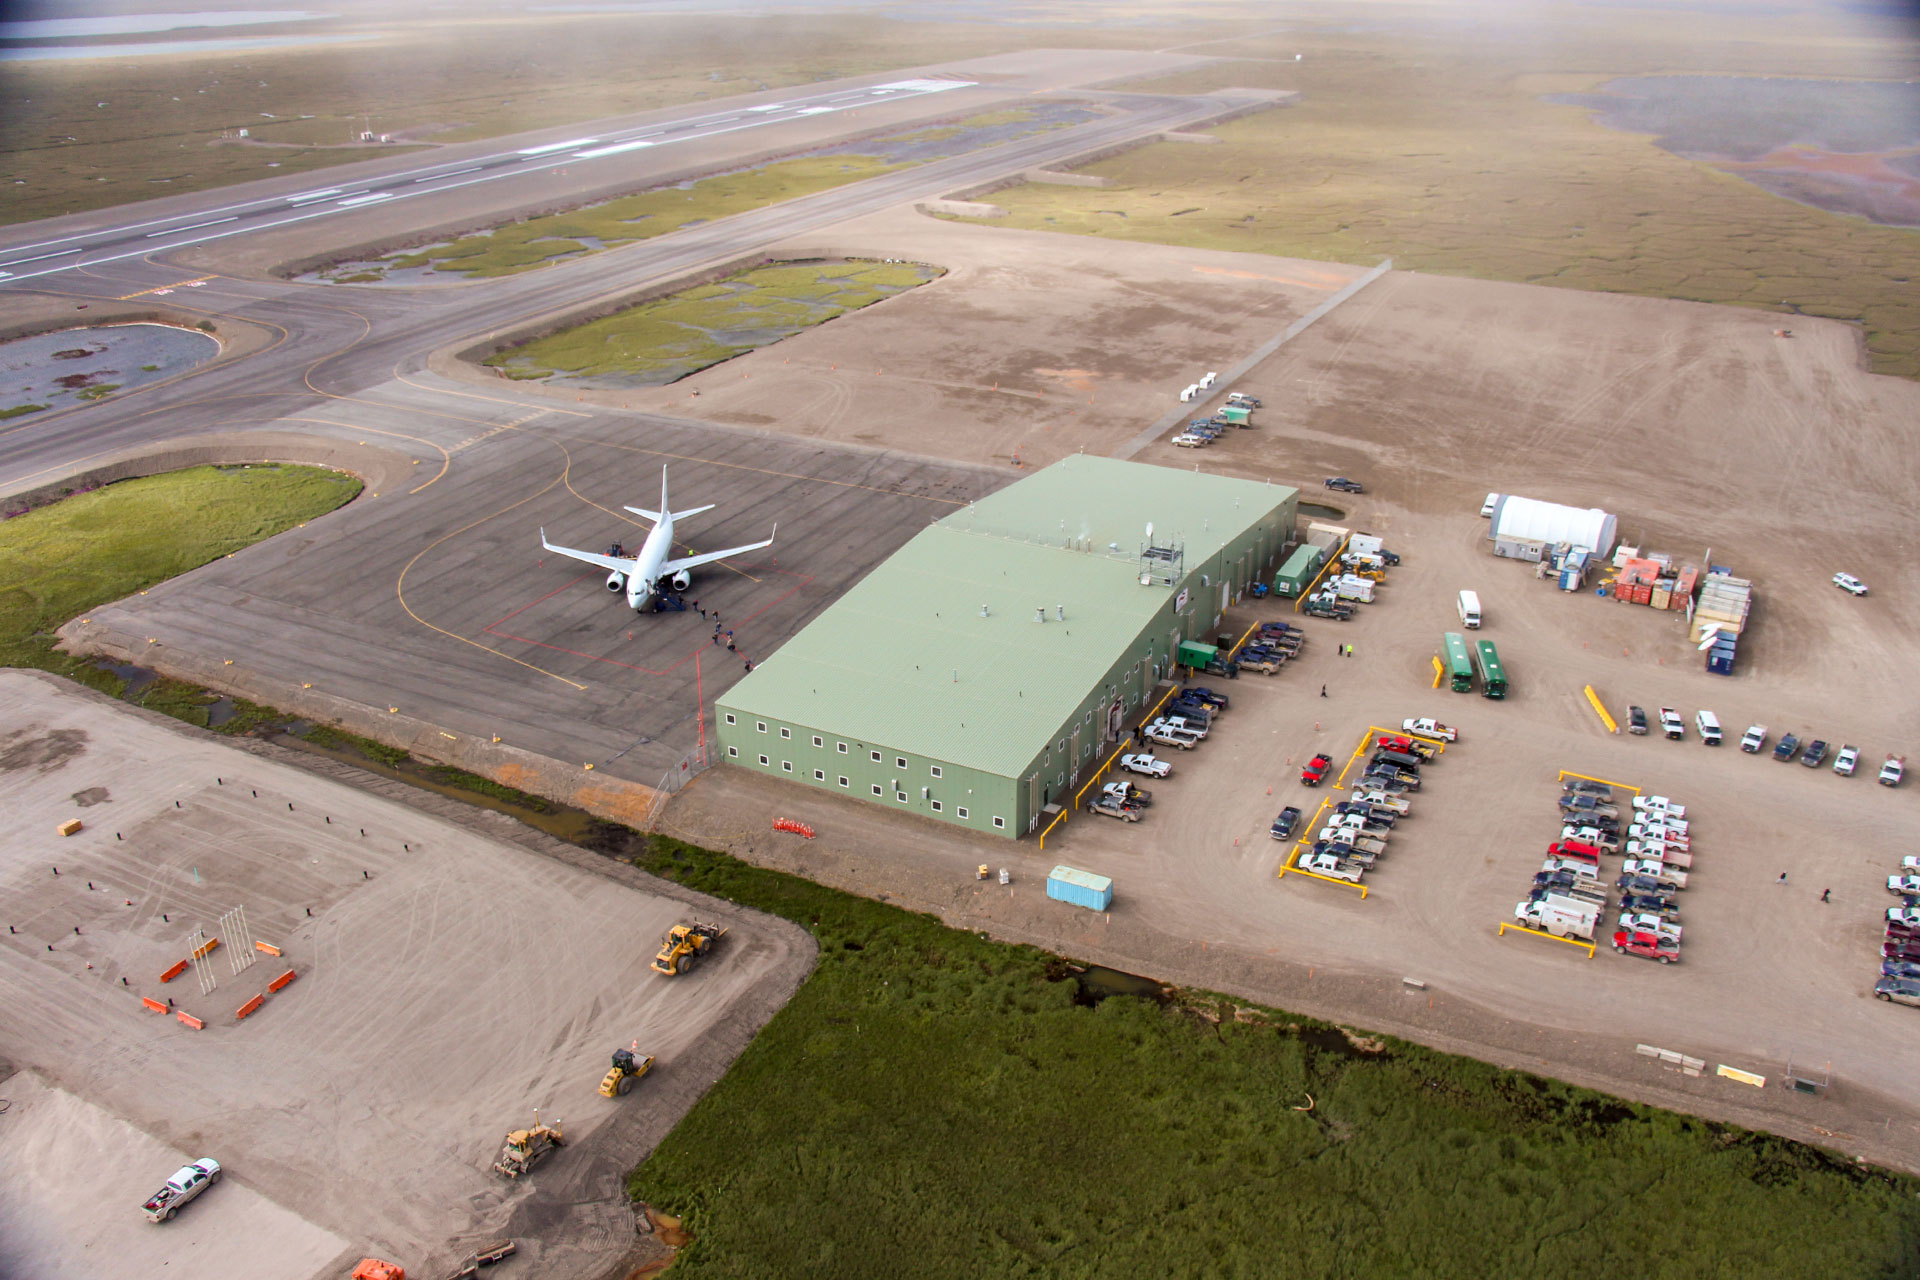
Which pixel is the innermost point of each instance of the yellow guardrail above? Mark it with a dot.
(1588, 947)
(1439, 671)
(1587, 777)
(1599, 707)
(1315, 875)
(1101, 771)
(1333, 558)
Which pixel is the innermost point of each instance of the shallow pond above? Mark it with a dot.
(72, 366)
(1844, 146)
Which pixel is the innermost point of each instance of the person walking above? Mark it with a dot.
(1323, 691)
(1826, 895)
(1782, 879)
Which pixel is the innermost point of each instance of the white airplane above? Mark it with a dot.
(651, 572)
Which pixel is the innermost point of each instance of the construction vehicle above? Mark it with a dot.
(628, 1066)
(686, 943)
(378, 1269)
(527, 1147)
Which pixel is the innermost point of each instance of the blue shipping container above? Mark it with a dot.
(1081, 888)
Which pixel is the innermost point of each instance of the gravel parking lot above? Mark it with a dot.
(1435, 392)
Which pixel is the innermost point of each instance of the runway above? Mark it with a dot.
(434, 599)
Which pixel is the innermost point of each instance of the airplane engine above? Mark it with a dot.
(616, 582)
(682, 580)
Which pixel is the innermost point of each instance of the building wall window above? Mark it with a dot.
(843, 748)
(843, 780)
(999, 822)
(936, 806)
(899, 762)
(730, 719)
(876, 757)
(764, 760)
(785, 732)
(876, 788)
(937, 773)
(786, 766)
(818, 741)
(819, 775)
(961, 812)
(760, 726)
(733, 753)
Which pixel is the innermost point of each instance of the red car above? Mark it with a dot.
(1635, 943)
(1316, 771)
(1574, 849)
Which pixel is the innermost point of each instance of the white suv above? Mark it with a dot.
(1850, 584)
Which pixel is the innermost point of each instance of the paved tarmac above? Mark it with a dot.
(433, 600)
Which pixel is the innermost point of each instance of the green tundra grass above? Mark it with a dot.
(93, 548)
(668, 338)
(1445, 156)
(536, 242)
(933, 1104)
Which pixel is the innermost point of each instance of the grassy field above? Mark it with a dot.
(89, 134)
(934, 1104)
(96, 547)
(1444, 155)
(668, 338)
(537, 242)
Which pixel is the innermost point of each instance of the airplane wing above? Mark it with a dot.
(692, 562)
(619, 564)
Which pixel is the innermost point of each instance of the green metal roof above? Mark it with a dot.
(906, 660)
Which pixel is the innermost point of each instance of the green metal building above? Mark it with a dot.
(977, 674)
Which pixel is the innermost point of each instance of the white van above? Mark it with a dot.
(1486, 508)
(1469, 610)
(1709, 726)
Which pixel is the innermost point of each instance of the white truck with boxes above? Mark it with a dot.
(1469, 610)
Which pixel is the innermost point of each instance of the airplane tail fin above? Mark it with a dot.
(657, 516)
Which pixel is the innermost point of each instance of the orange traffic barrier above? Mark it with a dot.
(281, 981)
(205, 948)
(189, 1019)
(267, 947)
(174, 972)
(250, 1006)
(153, 1004)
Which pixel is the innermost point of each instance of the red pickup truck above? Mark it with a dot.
(1635, 942)
(1316, 771)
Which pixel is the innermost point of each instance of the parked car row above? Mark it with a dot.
(1356, 831)
(1900, 949)
(1183, 724)
(1236, 411)
(1361, 569)
(1568, 897)
(1270, 648)
(1811, 752)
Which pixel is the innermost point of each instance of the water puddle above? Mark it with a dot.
(75, 366)
(1321, 511)
(1846, 146)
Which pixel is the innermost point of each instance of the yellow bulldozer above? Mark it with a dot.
(628, 1066)
(527, 1147)
(686, 943)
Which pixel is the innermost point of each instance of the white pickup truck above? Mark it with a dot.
(180, 1188)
